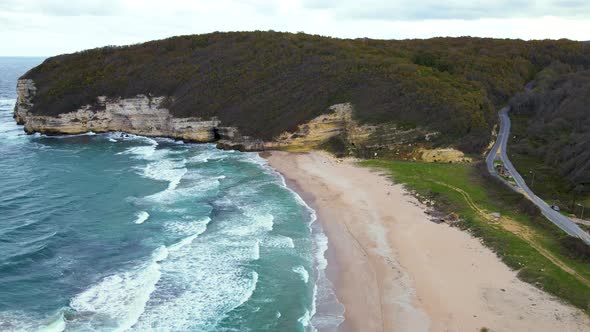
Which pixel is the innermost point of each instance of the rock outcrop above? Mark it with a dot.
(26, 90)
(336, 130)
(146, 115)
(337, 123)
(142, 115)
(308, 136)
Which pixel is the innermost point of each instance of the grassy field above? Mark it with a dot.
(522, 238)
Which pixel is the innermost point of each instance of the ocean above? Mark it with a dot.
(117, 232)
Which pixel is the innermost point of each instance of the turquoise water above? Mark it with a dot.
(117, 232)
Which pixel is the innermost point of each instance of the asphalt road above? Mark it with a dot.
(498, 151)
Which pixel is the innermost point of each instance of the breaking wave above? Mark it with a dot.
(302, 272)
(212, 227)
(141, 217)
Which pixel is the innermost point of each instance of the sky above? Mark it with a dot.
(51, 27)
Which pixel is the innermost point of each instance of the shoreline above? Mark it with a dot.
(395, 270)
(331, 271)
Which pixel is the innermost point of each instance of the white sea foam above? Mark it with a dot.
(57, 324)
(200, 280)
(166, 170)
(166, 209)
(302, 272)
(119, 135)
(255, 158)
(190, 190)
(141, 217)
(254, 223)
(120, 299)
(17, 321)
(23, 322)
(305, 320)
(89, 133)
(205, 156)
(174, 170)
(183, 243)
(200, 177)
(278, 241)
(7, 102)
(224, 202)
(323, 290)
(117, 302)
(197, 227)
(197, 289)
(256, 250)
(140, 152)
(321, 241)
(170, 140)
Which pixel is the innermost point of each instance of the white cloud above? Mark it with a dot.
(49, 27)
(61, 7)
(451, 9)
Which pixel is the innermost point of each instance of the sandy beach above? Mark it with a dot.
(395, 270)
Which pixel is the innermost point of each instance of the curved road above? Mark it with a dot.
(498, 151)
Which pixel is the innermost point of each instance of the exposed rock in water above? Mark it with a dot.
(26, 90)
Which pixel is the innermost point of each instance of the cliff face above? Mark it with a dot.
(336, 130)
(141, 115)
(266, 83)
(26, 90)
(336, 123)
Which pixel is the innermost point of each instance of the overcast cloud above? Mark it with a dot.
(409, 10)
(49, 27)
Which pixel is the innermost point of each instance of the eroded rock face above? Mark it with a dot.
(310, 135)
(141, 115)
(444, 155)
(25, 90)
(338, 122)
(145, 115)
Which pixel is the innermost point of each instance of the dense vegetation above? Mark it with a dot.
(552, 134)
(541, 253)
(269, 82)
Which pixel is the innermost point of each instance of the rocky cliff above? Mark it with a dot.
(277, 89)
(335, 130)
(26, 90)
(336, 123)
(142, 115)
(146, 115)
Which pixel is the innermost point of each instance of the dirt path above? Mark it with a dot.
(523, 232)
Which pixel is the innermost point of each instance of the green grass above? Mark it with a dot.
(532, 267)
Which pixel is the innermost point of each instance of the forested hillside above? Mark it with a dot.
(553, 133)
(268, 82)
